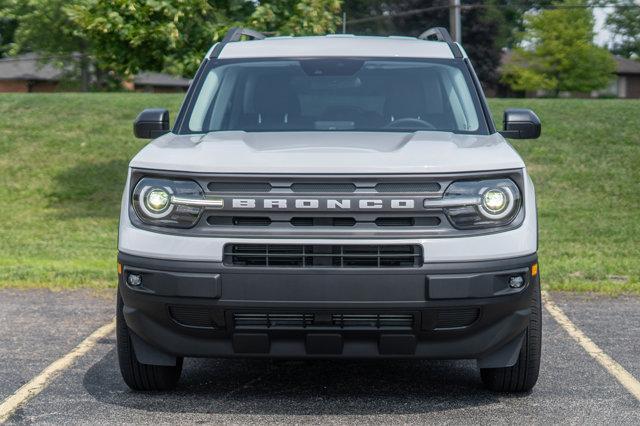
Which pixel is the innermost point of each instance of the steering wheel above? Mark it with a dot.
(409, 122)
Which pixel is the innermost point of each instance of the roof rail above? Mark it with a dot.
(235, 34)
(441, 34)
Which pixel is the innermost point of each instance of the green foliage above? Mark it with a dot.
(44, 25)
(64, 162)
(8, 26)
(624, 22)
(297, 17)
(558, 53)
(129, 36)
(487, 25)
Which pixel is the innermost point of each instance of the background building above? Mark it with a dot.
(29, 73)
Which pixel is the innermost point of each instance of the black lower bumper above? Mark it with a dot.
(442, 311)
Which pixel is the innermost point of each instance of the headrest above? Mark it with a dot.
(274, 95)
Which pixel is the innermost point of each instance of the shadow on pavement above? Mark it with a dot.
(229, 386)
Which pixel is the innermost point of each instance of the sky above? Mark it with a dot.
(603, 36)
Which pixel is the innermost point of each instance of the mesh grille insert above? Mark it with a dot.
(323, 221)
(316, 256)
(335, 321)
(402, 321)
(408, 187)
(323, 187)
(456, 318)
(408, 221)
(260, 320)
(190, 316)
(239, 186)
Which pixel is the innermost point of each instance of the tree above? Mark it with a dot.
(297, 17)
(43, 26)
(487, 25)
(172, 36)
(8, 26)
(558, 54)
(624, 22)
(130, 36)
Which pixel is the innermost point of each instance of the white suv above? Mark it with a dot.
(323, 197)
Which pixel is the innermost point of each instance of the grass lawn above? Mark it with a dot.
(63, 161)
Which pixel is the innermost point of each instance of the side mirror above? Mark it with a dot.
(151, 123)
(521, 124)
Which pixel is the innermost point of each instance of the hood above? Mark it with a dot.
(328, 153)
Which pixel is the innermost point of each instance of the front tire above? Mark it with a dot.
(138, 376)
(522, 376)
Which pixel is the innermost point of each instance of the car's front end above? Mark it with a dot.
(329, 264)
(328, 208)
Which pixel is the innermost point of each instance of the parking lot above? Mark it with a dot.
(38, 327)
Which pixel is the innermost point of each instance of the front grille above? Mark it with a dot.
(323, 221)
(339, 207)
(328, 256)
(324, 187)
(335, 321)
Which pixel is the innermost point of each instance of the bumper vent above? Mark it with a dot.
(260, 321)
(377, 321)
(295, 321)
(327, 256)
(456, 318)
(190, 316)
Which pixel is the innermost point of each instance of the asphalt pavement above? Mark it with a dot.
(38, 327)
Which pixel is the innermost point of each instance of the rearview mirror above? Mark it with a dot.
(521, 124)
(151, 123)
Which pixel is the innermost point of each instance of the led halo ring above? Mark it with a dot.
(494, 200)
(506, 211)
(148, 212)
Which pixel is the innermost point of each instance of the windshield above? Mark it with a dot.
(334, 95)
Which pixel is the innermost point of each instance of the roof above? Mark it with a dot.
(159, 79)
(627, 66)
(337, 45)
(28, 67)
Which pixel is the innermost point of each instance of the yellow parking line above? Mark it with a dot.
(42, 380)
(616, 370)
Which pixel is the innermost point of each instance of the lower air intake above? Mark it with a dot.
(311, 321)
(319, 256)
(189, 316)
(456, 318)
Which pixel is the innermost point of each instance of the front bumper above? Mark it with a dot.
(464, 310)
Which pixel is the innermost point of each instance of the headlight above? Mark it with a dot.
(482, 203)
(167, 202)
(157, 200)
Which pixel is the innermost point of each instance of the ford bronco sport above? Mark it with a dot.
(330, 197)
